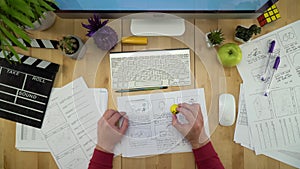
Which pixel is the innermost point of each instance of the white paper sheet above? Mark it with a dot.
(274, 120)
(150, 122)
(71, 123)
(30, 139)
(290, 156)
(242, 133)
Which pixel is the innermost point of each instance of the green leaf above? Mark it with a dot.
(19, 17)
(46, 6)
(13, 38)
(11, 50)
(23, 7)
(17, 30)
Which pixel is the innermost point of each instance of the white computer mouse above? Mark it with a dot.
(226, 109)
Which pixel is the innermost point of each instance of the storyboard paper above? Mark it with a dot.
(150, 122)
(275, 119)
(70, 125)
(291, 155)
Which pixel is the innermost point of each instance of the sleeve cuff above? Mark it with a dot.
(205, 152)
(101, 158)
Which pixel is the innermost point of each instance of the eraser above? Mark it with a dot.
(135, 40)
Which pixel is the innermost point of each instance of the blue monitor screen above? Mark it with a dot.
(161, 5)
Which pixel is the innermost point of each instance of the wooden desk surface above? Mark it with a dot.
(232, 155)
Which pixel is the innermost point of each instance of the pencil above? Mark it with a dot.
(141, 89)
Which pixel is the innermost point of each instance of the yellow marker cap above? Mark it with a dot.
(135, 40)
(173, 108)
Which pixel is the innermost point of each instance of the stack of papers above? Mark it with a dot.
(69, 130)
(270, 124)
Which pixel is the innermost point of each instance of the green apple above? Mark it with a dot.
(230, 54)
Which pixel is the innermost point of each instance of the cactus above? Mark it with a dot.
(246, 34)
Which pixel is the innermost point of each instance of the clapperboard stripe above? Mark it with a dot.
(25, 88)
(40, 43)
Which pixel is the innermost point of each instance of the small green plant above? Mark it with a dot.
(246, 34)
(69, 45)
(216, 37)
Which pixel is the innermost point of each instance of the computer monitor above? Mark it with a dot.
(180, 8)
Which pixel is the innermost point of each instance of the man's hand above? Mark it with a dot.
(109, 131)
(194, 130)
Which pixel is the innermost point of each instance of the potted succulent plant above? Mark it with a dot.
(104, 36)
(44, 22)
(243, 34)
(15, 16)
(214, 38)
(72, 46)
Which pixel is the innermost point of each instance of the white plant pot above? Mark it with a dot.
(241, 40)
(208, 43)
(79, 54)
(45, 23)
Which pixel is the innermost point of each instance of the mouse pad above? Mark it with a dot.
(25, 89)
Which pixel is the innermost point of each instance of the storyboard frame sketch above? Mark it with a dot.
(150, 130)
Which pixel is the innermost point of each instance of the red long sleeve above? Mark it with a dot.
(207, 158)
(101, 160)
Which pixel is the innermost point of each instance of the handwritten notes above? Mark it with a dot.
(70, 126)
(150, 122)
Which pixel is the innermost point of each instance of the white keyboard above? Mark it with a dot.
(150, 69)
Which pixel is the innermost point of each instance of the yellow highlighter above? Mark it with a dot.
(135, 40)
(173, 109)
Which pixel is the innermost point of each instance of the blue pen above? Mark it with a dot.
(275, 67)
(271, 49)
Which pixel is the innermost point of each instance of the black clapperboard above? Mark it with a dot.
(25, 89)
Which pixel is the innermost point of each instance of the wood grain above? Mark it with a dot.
(97, 74)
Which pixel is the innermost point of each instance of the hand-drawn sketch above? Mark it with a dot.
(269, 116)
(56, 119)
(297, 98)
(63, 134)
(72, 137)
(283, 102)
(72, 159)
(261, 106)
(289, 40)
(150, 122)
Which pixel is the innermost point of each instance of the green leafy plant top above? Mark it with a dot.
(15, 15)
(216, 37)
(246, 33)
(69, 45)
